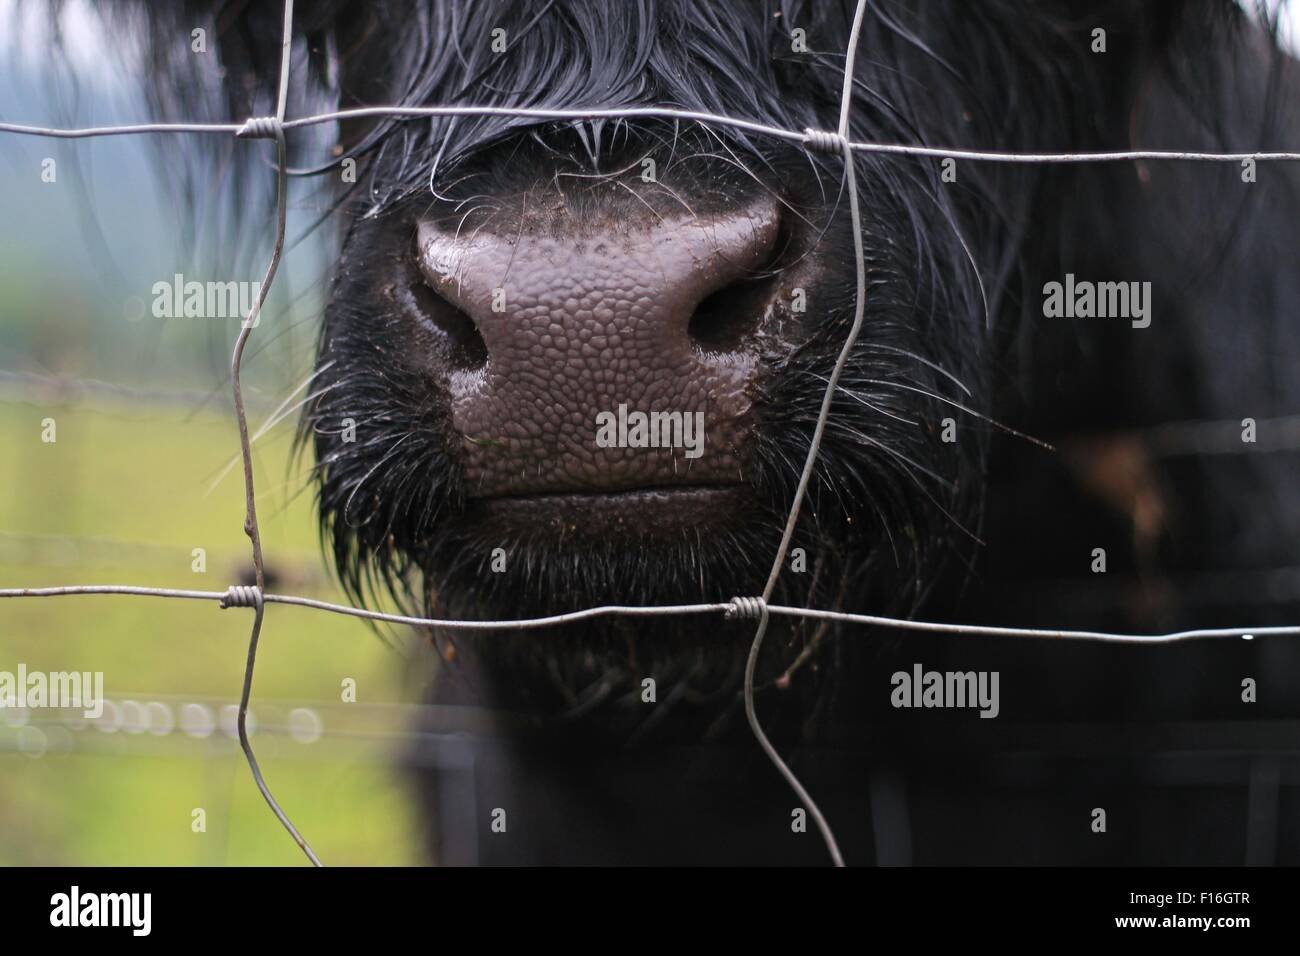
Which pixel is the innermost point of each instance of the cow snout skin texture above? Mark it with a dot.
(655, 315)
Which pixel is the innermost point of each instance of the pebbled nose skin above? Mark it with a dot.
(588, 317)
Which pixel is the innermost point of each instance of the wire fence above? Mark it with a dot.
(756, 607)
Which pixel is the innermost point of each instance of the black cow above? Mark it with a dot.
(515, 299)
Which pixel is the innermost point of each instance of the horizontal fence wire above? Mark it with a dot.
(813, 139)
(754, 608)
(735, 609)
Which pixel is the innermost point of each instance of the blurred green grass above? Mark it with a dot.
(142, 475)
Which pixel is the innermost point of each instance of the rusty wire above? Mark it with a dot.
(741, 607)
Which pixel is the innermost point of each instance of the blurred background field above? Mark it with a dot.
(137, 480)
(123, 496)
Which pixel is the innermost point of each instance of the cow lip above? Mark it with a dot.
(646, 514)
(613, 495)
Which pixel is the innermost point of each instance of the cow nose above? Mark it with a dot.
(552, 326)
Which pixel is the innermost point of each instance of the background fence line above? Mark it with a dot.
(740, 607)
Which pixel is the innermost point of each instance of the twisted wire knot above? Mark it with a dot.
(746, 609)
(824, 141)
(261, 127)
(242, 595)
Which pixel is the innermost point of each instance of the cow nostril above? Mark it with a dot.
(466, 350)
(727, 318)
(724, 320)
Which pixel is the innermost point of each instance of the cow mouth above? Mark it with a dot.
(619, 495)
(642, 512)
